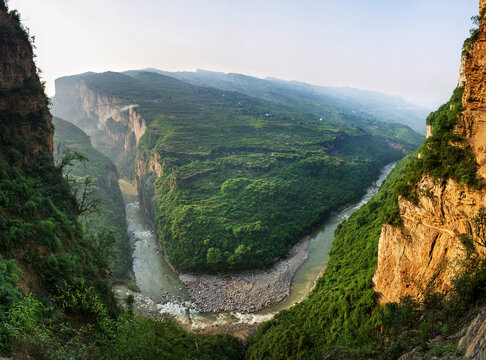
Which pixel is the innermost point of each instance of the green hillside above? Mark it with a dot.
(55, 294)
(342, 104)
(341, 317)
(338, 311)
(242, 178)
(103, 172)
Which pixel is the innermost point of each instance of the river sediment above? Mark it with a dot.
(247, 291)
(229, 303)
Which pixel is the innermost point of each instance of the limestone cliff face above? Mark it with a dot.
(22, 99)
(93, 111)
(147, 172)
(428, 246)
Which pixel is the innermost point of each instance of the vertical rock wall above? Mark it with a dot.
(428, 245)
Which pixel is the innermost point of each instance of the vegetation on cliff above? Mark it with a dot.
(55, 296)
(233, 168)
(339, 310)
(342, 319)
(103, 174)
(443, 155)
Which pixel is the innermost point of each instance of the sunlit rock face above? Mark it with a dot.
(428, 244)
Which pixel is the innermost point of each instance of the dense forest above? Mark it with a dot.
(95, 176)
(55, 294)
(342, 317)
(241, 178)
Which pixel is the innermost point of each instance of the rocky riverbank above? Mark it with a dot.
(248, 291)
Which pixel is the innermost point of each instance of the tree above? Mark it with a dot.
(213, 256)
(83, 189)
(479, 223)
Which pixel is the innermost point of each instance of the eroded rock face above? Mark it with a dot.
(22, 92)
(93, 111)
(473, 343)
(472, 123)
(16, 63)
(428, 243)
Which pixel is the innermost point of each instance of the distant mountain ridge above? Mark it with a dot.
(333, 102)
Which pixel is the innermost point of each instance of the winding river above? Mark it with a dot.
(162, 292)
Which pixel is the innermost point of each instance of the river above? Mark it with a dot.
(162, 292)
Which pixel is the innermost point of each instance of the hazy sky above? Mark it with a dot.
(403, 47)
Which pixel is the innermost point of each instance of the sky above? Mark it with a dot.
(409, 48)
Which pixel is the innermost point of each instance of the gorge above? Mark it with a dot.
(235, 206)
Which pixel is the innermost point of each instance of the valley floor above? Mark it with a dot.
(248, 291)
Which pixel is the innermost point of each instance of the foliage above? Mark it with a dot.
(45, 332)
(241, 178)
(479, 224)
(342, 311)
(339, 310)
(66, 309)
(444, 155)
(233, 169)
(82, 163)
(242, 210)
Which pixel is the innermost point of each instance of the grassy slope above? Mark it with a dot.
(112, 210)
(354, 106)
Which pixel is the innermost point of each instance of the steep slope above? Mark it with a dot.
(55, 296)
(353, 106)
(440, 213)
(419, 242)
(41, 245)
(220, 172)
(102, 171)
(339, 310)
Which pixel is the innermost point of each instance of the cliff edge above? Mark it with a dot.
(428, 246)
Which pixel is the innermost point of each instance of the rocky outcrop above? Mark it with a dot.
(23, 103)
(16, 55)
(427, 247)
(93, 110)
(473, 343)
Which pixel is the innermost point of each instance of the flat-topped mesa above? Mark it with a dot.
(428, 244)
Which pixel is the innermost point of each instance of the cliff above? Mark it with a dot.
(427, 248)
(21, 93)
(103, 173)
(112, 122)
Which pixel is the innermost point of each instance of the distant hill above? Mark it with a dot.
(345, 104)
